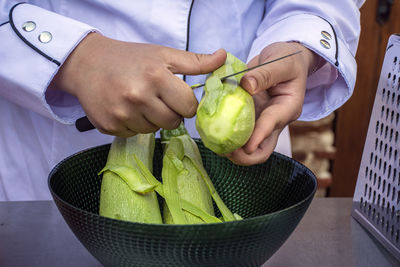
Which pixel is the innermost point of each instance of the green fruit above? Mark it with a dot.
(186, 182)
(226, 114)
(126, 194)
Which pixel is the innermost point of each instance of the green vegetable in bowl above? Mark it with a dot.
(128, 188)
(126, 192)
(186, 181)
(226, 114)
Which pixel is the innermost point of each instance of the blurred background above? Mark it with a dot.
(332, 147)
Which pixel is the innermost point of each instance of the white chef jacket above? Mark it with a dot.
(37, 127)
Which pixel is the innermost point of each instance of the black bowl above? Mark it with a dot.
(271, 197)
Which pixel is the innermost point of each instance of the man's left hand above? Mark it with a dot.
(278, 91)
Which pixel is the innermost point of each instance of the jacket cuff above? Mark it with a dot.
(35, 43)
(332, 84)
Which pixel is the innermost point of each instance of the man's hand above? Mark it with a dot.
(278, 91)
(128, 88)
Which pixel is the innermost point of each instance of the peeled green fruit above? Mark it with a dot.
(226, 115)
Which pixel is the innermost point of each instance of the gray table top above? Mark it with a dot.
(34, 234)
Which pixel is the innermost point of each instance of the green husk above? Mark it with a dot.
(128, 189)
(185, 179)
(226, 115)
(125, 192)
(186, 205)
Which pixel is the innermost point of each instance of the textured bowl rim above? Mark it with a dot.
(271, 214)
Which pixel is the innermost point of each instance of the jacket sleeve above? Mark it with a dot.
(34, 43)
(329, 28)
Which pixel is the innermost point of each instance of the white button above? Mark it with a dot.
(45, 37)
(29, 26)
(325, 44)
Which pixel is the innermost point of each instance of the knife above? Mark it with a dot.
(83, 124)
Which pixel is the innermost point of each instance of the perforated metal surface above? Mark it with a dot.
(376, 202)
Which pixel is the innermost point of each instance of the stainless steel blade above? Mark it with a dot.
(252, 68)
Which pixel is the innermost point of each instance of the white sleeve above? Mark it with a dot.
(34, 44)
(330, 29)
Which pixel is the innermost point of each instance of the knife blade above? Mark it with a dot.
(252, 68)
(83, 124)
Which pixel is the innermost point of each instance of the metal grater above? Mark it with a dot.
(376, 202)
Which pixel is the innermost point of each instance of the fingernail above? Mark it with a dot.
(253, 84)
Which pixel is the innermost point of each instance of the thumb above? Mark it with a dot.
(184, 62)
(267, 76)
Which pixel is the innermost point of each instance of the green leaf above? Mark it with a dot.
(171, 169)
(187, 206)
(132, 178)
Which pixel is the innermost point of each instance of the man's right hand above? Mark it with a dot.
(128, 88)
